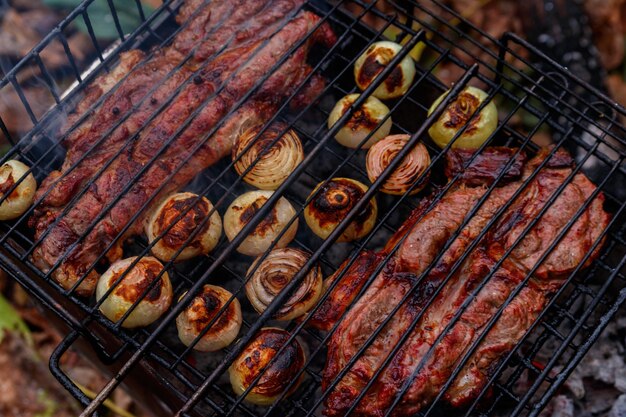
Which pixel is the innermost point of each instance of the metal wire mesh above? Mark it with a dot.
(589, 124)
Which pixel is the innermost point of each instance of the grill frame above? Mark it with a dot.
(19, 270)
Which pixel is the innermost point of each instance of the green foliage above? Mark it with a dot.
(101, 17)
(50, 405)
(10, 321)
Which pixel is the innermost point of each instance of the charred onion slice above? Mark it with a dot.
(277, 377)
(366, 119)
(374, 60)
(458, 114)
(202, 310)
(274, 273)
(276, 162)
(245, 207)
(407, 173)
(130, 290)
(22, 196)
(196, 211)
(335, 199)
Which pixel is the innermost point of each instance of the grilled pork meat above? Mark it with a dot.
(346, 290)
(165, 149)
(428, 357)
(168, 69)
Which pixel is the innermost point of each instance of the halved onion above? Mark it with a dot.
(202, 310)
(276, 162)
(196, 211)
(245, 207)
(21, 198)
(277, 377)
(335, 199)
(274, 273)
(130, 290)
(458, 114)
(407, 173)
(366, 119)
(374, 60)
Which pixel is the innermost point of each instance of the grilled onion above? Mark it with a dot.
(406, 174)
(130, 290)
(202, 310)
(276, 162)
(245, 207)
(332, 204)
(458, 114)
(364, 120)
(277, 377)
(274, 273)
(374, 60)
(196, 210)
(21, 198)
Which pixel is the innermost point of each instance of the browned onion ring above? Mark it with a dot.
(276, 162)
(407, 173)
(277, 377)
(274, 273)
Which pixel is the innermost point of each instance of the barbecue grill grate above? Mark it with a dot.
(578, 116)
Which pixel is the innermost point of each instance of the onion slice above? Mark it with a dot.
(201, 311)
(277, 377)
(331, 205)
(274, 273)
(407, 173)
(276, 162)
(244, 207)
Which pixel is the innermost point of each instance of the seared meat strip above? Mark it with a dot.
(384, 294)
(257, 58)
(562, 260)
(430, 234)
(425, 241)
(159, 70)
(345, 291)
(547, 279)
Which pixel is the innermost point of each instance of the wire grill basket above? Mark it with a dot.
(534, 98)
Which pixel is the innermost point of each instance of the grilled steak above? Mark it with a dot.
(173, 143)
(427, 358)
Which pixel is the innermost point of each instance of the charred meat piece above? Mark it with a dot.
(168, 68)
(427, 359)
(344, 293)
(487, 165)
(371, 310)
(185, 123)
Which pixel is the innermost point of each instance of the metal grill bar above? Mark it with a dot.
(152, 343)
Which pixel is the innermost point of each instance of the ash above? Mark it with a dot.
(597, 387)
